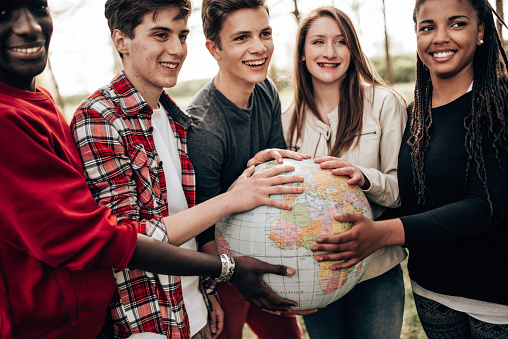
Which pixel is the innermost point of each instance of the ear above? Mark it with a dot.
(481, 32)
(121, 41)
(213, 49)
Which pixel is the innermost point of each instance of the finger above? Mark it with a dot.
(276, 170)
(220, 326)
(270, 301)
(322, 159)
(348, 217)
(213, 325)
(346, 264)
(272, 312)
(275, 154)
(284, 179)
(277, 204)
(353, 181)
(347, 171)
(319, 249)
(336, 256)
(303, 312)
(249, 171)
(294, 155)
(277, 269)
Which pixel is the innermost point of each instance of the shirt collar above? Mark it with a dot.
(132, 102)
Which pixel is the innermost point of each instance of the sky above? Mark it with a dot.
(82, 56)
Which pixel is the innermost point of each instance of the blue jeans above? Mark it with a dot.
(372, 309)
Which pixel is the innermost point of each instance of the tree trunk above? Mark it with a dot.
(56, 92)
(389, 76)
(500, 12)
(296, 12)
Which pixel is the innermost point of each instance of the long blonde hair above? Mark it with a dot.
(360, 71)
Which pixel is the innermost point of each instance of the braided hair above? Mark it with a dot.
(489, 98)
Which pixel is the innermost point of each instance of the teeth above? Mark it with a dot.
(443, 54)
(254, 63)
(27, 50)
(328, 65)
(165, 64)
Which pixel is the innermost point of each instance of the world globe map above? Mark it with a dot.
(285, 237)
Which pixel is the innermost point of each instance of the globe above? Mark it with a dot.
(285, 237)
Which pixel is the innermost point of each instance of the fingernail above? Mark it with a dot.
(319, 258)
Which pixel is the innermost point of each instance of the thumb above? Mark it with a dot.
(249, 171)
(276, 269)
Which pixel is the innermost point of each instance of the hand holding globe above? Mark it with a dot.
(285, 237)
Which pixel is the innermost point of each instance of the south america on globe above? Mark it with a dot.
(284, 237)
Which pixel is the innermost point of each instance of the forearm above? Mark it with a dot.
(158, 257)
(187, 224)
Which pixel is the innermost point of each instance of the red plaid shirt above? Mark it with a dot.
(113, 133)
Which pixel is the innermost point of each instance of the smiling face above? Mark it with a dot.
(25, 33)
(447, 34)
(154, 57)
(246, 47)
(325, 54)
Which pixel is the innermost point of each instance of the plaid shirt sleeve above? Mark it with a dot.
(118, 174)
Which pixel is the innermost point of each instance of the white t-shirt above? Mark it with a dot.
(166, 146)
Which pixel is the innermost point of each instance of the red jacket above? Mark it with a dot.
(57, 247)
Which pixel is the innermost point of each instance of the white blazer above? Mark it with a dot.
(376, 155)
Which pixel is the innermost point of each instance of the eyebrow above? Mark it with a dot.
(268, 28)
(323, 35)
(455, 17)
(166, 29)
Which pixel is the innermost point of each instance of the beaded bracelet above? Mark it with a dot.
(227, 269)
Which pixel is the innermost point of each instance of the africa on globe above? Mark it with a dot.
(285, 237)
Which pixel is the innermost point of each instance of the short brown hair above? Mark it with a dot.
(126, 15)
(215, 12)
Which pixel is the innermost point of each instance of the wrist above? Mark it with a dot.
(227, 268)
(394, 232)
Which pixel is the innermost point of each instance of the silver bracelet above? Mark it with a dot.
(227, 269)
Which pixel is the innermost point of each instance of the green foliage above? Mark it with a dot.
(403, 67)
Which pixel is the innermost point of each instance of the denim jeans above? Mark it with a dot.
(372, 309)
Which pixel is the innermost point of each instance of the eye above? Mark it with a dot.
(162, 35)
(183, 37)
(240, 38)
(458, 24)
(426, 28)
(318, 42)
(41, 7)
(266, 34)
(341, 42)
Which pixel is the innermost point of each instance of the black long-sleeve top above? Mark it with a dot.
(457, 241)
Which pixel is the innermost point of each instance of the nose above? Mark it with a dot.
(175, 46)
(440, 36)
(258, 46)
(26, 24)
(329, 50)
